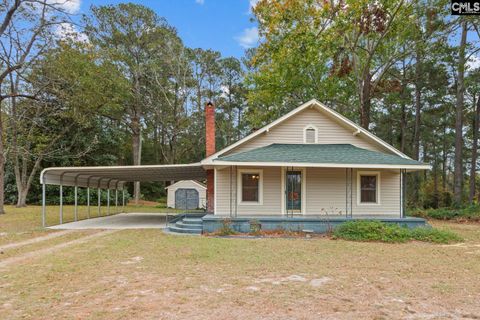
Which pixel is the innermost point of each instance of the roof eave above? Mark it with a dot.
(322, 165)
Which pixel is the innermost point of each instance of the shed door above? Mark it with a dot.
(186, 199)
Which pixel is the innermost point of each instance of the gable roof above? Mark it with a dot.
(201, 185)
(322, 108)
(325, 155)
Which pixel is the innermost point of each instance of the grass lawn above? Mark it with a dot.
(145, 274)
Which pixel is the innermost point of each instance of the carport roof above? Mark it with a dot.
(116, 176)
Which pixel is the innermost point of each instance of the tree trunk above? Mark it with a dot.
(416, 134)
(137, 153)
(22, 197)
(458, 171)
(436, 195)
(444, 156)
(2, 164)
(473, 166)
(365, 101)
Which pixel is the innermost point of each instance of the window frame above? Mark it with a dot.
(240, 186)
(377, 188)
(310, 126)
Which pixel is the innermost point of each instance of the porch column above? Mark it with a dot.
(403, 194)
(348, 192)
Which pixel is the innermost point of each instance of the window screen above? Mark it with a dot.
(250, 183)
(368, 189)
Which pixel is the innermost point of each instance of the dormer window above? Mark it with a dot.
(310, 134)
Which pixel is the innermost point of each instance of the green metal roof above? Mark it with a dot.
(318, 153)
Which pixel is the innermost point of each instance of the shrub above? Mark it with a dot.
(255, 227)
(226, 229)
(365, 230)
(435, 235)
(471, 212)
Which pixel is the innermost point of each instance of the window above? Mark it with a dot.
(250, 183)
(368, 187)
(310, 134)
(250, 186)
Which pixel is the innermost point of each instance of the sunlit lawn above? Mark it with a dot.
(145, 274)
(22, 223)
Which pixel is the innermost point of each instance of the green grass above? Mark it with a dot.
(23, 223)
(391, 233)
(144, 274)
(469, 213)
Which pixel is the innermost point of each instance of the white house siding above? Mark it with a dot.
(329, 131)
(186, 184)
(325, 188)
(272, 192)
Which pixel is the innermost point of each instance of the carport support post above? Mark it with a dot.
(61, 203)
(43, 205)
(108, 202)
(76, 204)
(98, 198)
(116, 197)
(88, 202)
(123, 198)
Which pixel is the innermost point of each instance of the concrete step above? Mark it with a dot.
(192, 220)
(185, 230)
(183, 225)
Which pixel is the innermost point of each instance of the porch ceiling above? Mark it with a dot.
(117, 176)
(320, 155)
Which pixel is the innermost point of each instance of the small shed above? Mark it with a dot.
(187, 195)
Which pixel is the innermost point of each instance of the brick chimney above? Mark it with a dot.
(209, 150)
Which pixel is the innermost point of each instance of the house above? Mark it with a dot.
(186, 195)
(310, 169)
(310, 163)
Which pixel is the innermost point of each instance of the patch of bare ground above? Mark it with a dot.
(144, 274)
(49, 236)
(45, 251)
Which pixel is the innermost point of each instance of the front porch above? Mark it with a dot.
(311, 179)
(312, 223)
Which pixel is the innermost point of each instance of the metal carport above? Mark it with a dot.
(112, 178)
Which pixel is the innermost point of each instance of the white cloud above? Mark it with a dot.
(473, 62)
(70, 6)
(68, 31)
(248, 38)
(200, 2)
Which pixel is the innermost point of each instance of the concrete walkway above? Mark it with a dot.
(118, 221)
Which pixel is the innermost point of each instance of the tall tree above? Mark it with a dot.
(71, 90)
(26, 29)
(458, 174)
(128, 34)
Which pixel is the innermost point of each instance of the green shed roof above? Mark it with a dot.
(319, 154)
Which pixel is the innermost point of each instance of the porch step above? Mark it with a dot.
(192, 220)
(184, 230)
(184, 225)
(187, 226)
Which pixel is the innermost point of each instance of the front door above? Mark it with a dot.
(293, 192)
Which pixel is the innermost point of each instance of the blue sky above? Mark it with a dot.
(222, 25)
